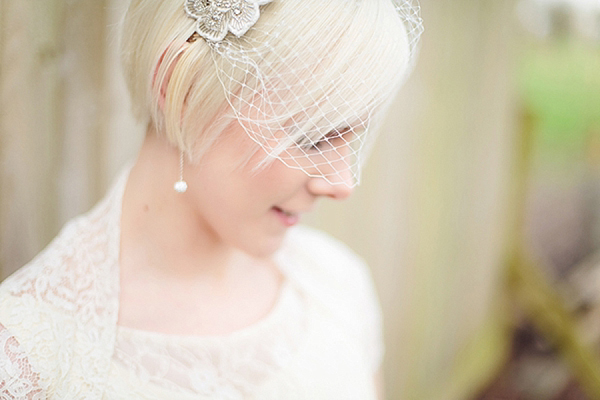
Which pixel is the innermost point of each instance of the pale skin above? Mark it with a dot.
(200, 263)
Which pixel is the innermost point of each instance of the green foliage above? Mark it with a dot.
(560, 87)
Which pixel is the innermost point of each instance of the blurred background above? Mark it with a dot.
(480, 209)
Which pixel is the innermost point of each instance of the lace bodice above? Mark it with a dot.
(211, 366)
(60, 340)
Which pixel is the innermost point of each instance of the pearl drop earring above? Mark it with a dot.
(181, 186)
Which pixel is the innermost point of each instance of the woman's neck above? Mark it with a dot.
(177, 276)
(161, 229)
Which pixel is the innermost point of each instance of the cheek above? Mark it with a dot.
(235, 194)
(279, 180)
(234, 187)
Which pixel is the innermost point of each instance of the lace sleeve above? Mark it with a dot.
(18, 379)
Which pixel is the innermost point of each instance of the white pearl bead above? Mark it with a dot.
(181, 186)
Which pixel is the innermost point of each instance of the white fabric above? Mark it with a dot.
(60, 340)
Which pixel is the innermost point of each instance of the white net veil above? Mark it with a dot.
(310, 91)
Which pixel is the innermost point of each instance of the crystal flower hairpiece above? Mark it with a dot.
(215, 18)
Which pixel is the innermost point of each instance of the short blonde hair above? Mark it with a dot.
(365, 42)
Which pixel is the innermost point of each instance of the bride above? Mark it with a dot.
(192, 278)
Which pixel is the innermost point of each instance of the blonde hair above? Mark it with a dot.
(359, 43)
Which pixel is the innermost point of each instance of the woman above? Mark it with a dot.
(191, 278)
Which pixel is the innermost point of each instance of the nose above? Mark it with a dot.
(335, 176)
(338, 187)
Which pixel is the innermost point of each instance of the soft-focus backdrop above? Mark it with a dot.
(479, 212)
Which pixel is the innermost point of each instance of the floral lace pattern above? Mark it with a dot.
(18, 379)
(211, 367)
(58, 338)
(63, 305)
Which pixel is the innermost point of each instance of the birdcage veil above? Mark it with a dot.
(303, 90)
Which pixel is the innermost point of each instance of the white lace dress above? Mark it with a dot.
(59, 337)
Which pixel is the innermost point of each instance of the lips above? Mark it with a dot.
(287, 218)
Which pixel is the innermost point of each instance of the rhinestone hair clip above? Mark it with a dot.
(215, 18)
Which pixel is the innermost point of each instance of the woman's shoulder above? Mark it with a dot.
(325, 255)
(329, 269)
(337, 279)
(63, 262)
(85, 247)
(37, 299)
(62, 304)
(51, 260)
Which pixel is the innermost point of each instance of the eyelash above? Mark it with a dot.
(313, 145)
(328, 137)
